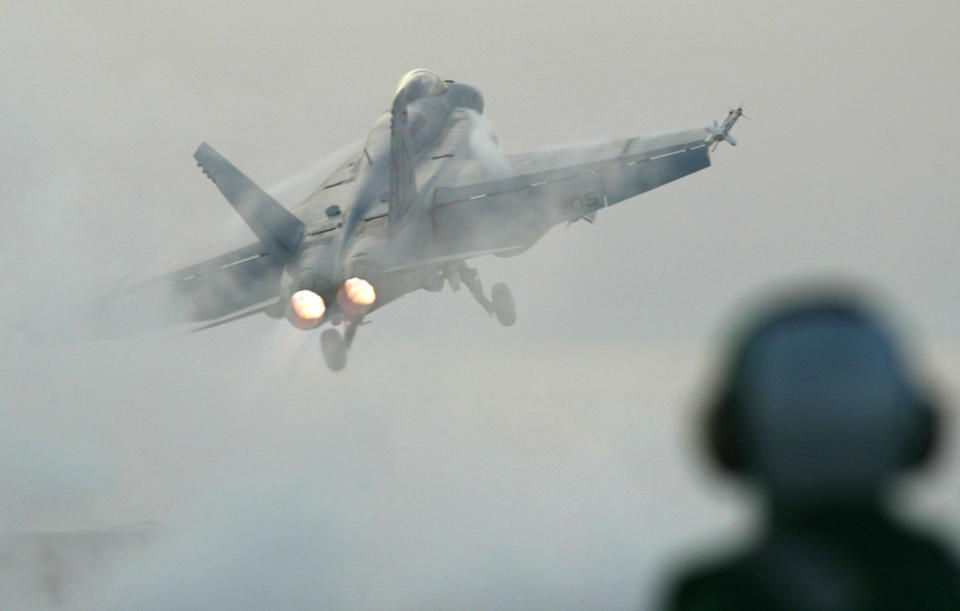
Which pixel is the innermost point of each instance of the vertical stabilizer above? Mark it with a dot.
(276, 227)
(403, 186)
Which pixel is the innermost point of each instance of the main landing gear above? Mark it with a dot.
(500, 303)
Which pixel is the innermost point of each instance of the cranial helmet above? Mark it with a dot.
(818, 401)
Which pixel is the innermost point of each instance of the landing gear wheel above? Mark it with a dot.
(334, 349)
(503, 304)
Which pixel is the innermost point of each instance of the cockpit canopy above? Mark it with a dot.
(420, 83)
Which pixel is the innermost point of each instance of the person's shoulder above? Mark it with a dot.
(927, 568)
(730, 583)
(927, 556)
(704, 588)
(774, 574)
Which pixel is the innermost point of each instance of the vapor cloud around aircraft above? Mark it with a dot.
(427, 191)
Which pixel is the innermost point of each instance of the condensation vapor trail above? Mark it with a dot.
(293, 189)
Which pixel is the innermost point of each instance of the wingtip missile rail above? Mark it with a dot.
(721, 133)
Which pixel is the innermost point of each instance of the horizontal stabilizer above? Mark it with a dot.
(275, 226)
(730, 139)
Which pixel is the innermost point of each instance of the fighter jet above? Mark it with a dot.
(426, 192)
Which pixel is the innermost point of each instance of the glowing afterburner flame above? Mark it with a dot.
(355, 297)
(308, 306)
(359, 291)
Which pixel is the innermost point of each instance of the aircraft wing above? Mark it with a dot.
(550, 187)
(220, 287)
(209, 290)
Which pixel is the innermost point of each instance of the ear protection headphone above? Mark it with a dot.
(726, 432)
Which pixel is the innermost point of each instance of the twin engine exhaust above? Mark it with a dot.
(306, 308)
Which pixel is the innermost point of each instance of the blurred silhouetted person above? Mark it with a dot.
(819, 409)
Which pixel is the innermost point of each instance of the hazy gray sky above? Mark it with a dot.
(454, 463)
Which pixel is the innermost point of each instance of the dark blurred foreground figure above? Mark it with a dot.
(819, 410)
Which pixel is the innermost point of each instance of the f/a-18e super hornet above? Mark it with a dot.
(426, 192)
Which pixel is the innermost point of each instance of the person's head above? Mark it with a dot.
(817, 402)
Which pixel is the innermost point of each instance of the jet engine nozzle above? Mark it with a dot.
(306, 309)
(356, 297)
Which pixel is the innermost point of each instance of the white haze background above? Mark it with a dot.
(454, 464)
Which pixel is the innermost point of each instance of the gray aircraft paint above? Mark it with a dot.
(578, 480)
(427, 191)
